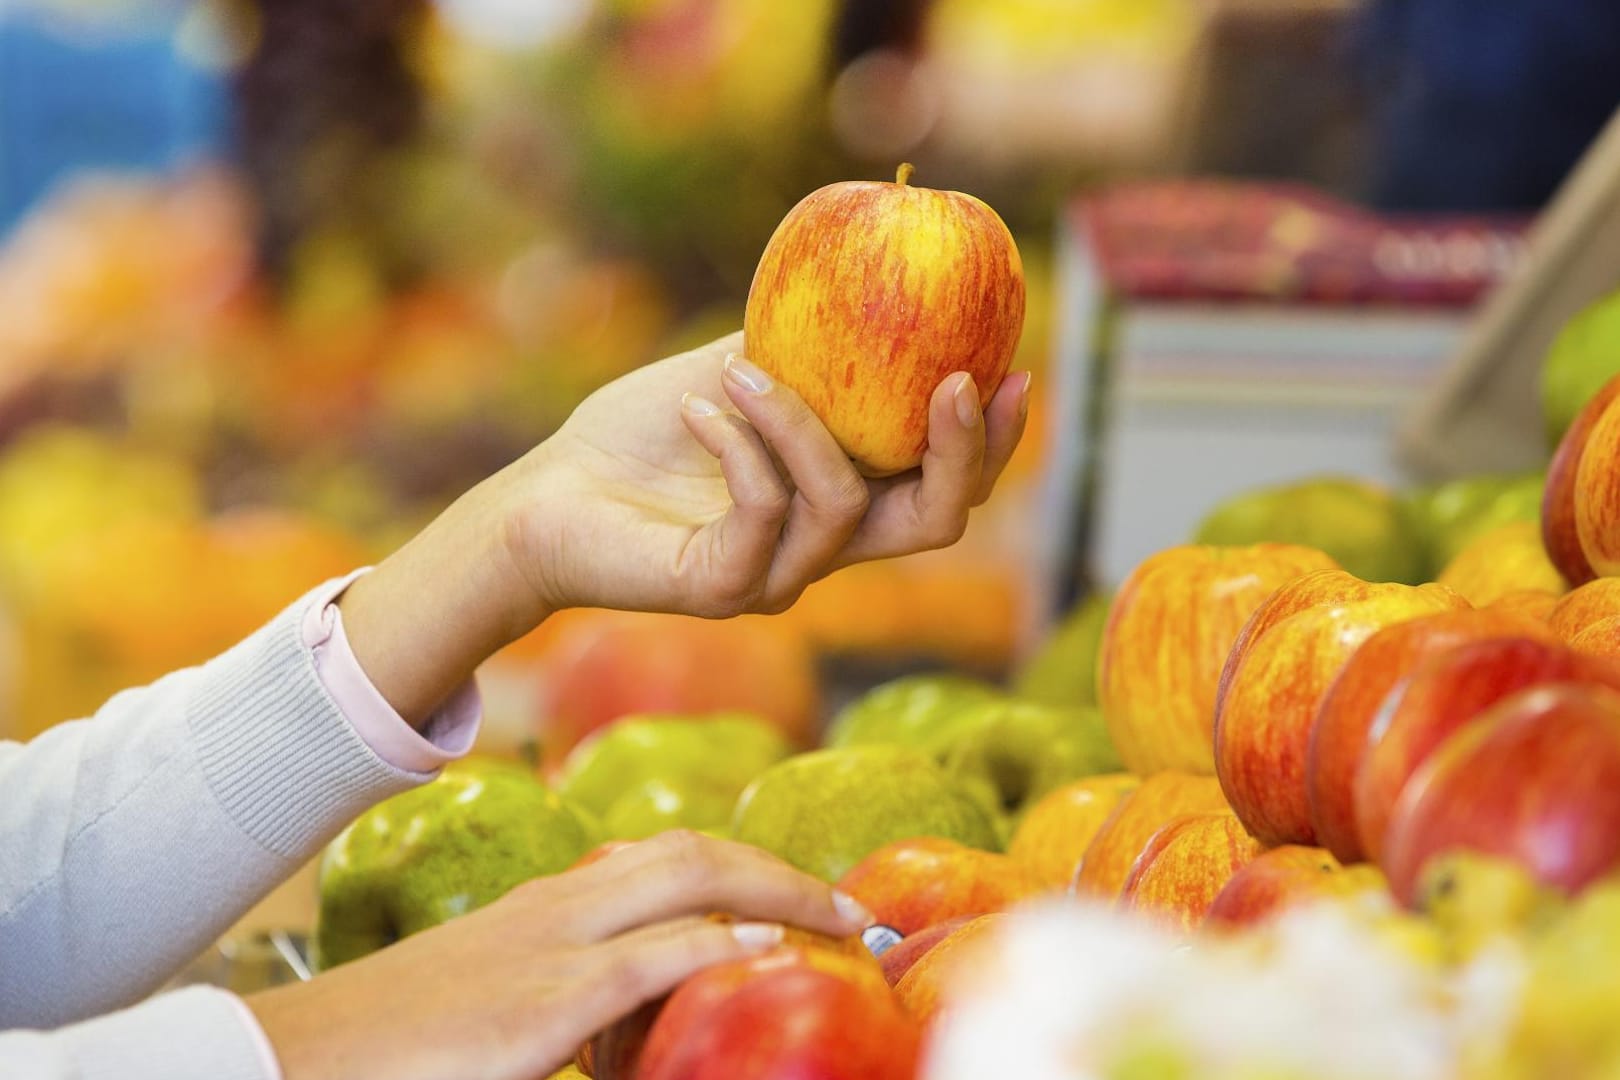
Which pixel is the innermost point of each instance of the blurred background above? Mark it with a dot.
(279, 278)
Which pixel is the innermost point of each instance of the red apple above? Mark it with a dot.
(1339, 732)
(1580, 608)
(922, 989)
(900, 959)
(1597, 495)
(788, 1015)
(912, 884)
(1559, 533)
(600, 666)
(869, 294)
(1185, 866)
(1282, 877)
(1536, 779)
(1601, 639)
(1443, 694)
(1160, 799)
(1053, 835)
(1169, 631)
(1274, 682)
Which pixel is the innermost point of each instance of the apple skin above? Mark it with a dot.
(789, 1014)
(1055, 832)
(869, 294)
(900, 959)
(1509, 558)
(1169, 631)
(1339, 732)
(600, 666)
(1442, 694)
(1601, 639)
(1185, 866)
(1583, 606)
(1290, 651)
(1560, 534)
(1597, 495)
(1536, 779)
(922, 988)
(1160, 799)
(1282, 877)
(1537, 604)
(912, 884)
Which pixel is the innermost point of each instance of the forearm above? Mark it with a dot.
(130, 841)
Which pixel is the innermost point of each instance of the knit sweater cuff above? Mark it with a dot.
(277, 752)
(199, 1032)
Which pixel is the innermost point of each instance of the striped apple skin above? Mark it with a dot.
(1597, 494)
(869, 294)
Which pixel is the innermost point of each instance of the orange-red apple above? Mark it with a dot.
(1601, 639)
(1580, 608)
(913, 884)
(1444, 693)
(1597, 495)
(1053, 834)
(1339, 732)
(1535, 779)
(1536, 604)
(901, 958)
(922, 988)
(1282, 877)
(1185, 866)
(1507, 559)
(1275, 679)
(789, 1014)
(869, 294)
(1168, 633)
(1162, 798)
(1559, 533)
(601, 666)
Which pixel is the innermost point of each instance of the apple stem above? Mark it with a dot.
(902, 175)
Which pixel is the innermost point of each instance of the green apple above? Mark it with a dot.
(1452, 514)
(647, 774)
(426, 856)
(1063, 671)
(1009, 753)
(916, 710)
(1584, 356)
(827, 810)
(1365, 527)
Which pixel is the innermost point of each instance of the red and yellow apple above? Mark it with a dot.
(1507, 559)
(1185, 866)
(1288, 655)
(1169, 631)
(1585, 606)
(1444, 693)
(1282, 877)
(1053, 834)
(1535, 779)
(1339, 732)
(1560, 533)
(923, 987)
(912, 884)
(869, 294)
(903, 956)
(599, 666)
(1536, 604)
(1160, 799)
(788, 1014)
(1597, 495)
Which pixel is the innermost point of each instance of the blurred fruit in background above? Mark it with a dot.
(1584, 356)
(1363, 526)
(1451, 515)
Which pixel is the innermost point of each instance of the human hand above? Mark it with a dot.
(510, 991)
(699, 485)
(655, 496)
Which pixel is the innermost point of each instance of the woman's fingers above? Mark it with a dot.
(648, 963)
(679, 873)
(741, 545)
(1004, 421)
(830, 497)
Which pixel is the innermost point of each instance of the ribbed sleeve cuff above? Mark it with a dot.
(200, 1033)
(277, 752)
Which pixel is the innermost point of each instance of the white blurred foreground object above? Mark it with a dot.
(1082, 992)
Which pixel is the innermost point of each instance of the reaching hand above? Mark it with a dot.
(510, 991)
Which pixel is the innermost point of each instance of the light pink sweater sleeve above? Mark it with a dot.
(131, 840)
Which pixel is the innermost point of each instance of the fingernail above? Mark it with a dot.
(699, 406)
(757, 936)
(1023, 395)
(967, 401)
(746, 375)
(851, 910)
